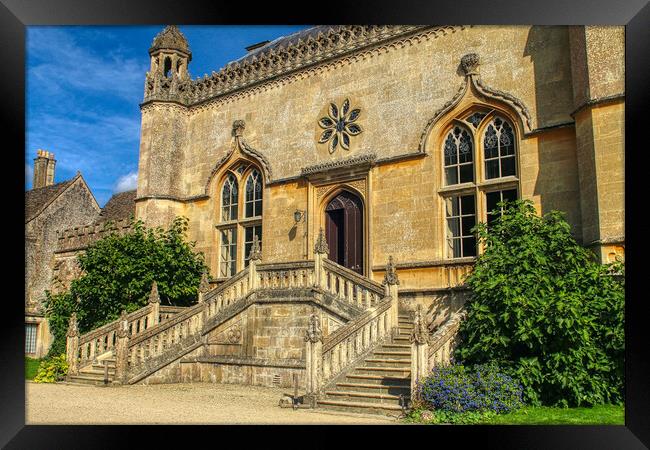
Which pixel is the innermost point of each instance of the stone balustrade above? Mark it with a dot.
(351, 287)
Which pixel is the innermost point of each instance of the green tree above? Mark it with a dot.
(543, 307)
(118, 272)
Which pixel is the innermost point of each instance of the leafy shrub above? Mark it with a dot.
(117, 273)
(545, 310)
(52, 370)
(460, 389)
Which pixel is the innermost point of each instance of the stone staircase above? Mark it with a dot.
(381, 383)
(95, 374)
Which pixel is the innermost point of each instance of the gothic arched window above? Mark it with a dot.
(241, 217)
(469, 197)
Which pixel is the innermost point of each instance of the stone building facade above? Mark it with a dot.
(49, 208)
(320, 165)
(416, 131)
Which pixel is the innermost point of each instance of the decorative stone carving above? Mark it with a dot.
(359, 185)
(238, 127)
(314, 332)
(73, 326)
(204, 285)
(470, 63)
(367, 158)
(234, 334)
(170, 38)
(231, 335)
(420, 334)
(153, 295)
(390, 277)
(321, 246)
(123, 326)
(256, 252)
(339, 125)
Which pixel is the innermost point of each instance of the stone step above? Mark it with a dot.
(83, 379)
(381, 380)
(388, 362)
(96, 373)
(360, 407)
(392, 353)
(97, 376)
(377, 388)
(366, 397)
(384, 347)
(398, 371)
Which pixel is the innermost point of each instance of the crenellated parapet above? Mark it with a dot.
(313, 47)
(78, 238)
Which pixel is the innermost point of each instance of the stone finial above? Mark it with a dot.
(470, 63)
(238, 127)
(123, 325)
(153, 295)
(314, 332)
(256, 252)
(321, 246)
(390, 277)
(204, 286)
(420, 334)
(73, 326)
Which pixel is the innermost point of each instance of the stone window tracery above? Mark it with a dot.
(479, 170)
(240, 217)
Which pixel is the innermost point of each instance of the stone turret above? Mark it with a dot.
(43, 169)
(170, 54)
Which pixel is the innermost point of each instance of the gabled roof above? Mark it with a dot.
(119, 206)
(37, 200)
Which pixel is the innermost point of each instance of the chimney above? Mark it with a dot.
(43, 169)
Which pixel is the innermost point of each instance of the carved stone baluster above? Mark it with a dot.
(122, 351)
(419, 350)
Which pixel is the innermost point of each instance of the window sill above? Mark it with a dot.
(458, 188)
(500, 181)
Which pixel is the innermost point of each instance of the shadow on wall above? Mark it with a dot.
(557, 183)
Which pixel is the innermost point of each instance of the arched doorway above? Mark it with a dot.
(344, 230)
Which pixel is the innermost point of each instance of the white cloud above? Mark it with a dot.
(127, 182)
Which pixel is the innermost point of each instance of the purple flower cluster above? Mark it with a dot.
(458, 388)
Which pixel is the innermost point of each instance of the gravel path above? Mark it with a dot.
(197, 403)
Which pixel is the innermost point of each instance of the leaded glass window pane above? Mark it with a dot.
(229, 197)
(253, 195)
(30, 337)
(249, 232)
(499, 149)
(228, 252)
(493, 199)
(475, 119)
(461, 218)
(459, 156)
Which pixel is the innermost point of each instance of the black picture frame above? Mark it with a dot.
(15, 15)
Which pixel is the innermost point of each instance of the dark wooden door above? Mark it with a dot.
(344, 230)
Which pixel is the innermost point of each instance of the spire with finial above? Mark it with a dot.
(321, 246)
(390, 277)
(204, 286)
(256, 252)
(153, 295)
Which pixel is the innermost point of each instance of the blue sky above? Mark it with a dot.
(84, 87)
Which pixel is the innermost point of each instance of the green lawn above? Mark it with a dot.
(31, 367)
(598, 415)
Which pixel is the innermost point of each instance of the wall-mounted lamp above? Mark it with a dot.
(298, 215)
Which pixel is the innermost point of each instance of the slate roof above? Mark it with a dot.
(119, 206)
(36, 200)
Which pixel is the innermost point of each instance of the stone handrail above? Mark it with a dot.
(351, 287)
(103, 339)
(184, 330)
(443, 342)
(429, 351)
(295, 274)
(167, 311)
